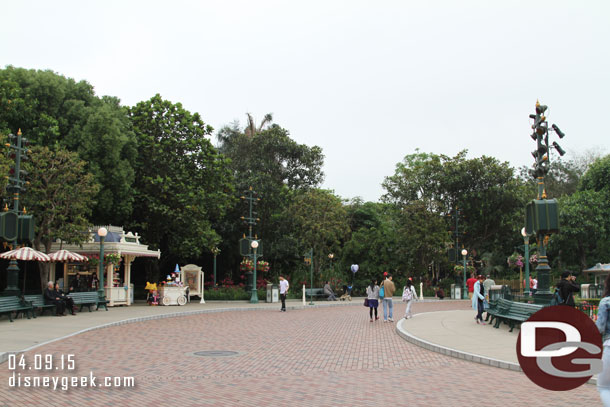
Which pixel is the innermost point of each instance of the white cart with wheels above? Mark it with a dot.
(172, 295)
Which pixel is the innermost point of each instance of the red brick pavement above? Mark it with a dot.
(316, 357)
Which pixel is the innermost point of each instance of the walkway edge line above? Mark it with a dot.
(471, 357)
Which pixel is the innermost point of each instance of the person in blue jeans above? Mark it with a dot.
(389, 288)
(603, 324)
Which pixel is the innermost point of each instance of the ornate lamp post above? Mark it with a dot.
(541, 214)
(254, 297)
(331, 256)
(526, 245)
(464, 288)
(102, 232)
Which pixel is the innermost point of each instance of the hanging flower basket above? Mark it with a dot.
(113, 258)
(534, 259)
(515, 260)
(262, 266)
(458, 269)
(246, 265)
(94, 261)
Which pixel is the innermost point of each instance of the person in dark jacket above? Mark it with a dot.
(52, 297)
(68, 302)
(567, 287)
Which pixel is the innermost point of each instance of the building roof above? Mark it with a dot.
(116, 241)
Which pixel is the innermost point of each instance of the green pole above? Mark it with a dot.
(100, 292)
(254, 297)
(214, 268)
(527, 263)
(465, 289)
(311, 276)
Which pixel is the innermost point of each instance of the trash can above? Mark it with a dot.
(584, 291)
(453, 291)
(269, 292)
(275, 293)
(495, 292)
(458, 292)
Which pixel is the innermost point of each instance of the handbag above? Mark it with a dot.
(366, 302)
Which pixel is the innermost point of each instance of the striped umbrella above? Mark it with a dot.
(25, 253)
(64, 256)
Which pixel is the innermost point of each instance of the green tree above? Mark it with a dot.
(487, 191)
(267, 159)
(597, 177)
(583, 239)
(60, 197)
(318, 220)
(183, 186)
(54, 110)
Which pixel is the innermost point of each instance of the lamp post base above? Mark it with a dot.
(254, 297)
(12, 276)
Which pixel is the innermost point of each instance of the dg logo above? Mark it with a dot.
(559, 348)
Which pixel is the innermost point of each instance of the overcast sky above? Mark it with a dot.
(368, 81)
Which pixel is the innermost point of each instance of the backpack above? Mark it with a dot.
(407, 294)
(556, 299)
(381, 292)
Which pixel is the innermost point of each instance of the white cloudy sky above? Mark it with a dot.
(368, 81)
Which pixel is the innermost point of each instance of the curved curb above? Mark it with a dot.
(459, 354)
(4, 355)
(453, 352)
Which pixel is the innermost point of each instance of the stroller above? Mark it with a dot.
(347, 291)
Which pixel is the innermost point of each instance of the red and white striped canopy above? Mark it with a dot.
(67, 256)
(25, 253)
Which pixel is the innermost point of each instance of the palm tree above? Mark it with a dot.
(251, 128)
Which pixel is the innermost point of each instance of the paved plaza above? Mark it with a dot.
(326, 356)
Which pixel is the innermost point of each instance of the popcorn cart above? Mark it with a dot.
(172, 295)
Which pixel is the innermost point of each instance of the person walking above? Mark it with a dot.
(470, 283)
(372, 295)
(603, 324)
(388, 291)
(408, 296)
(487, 284)
(478, 298)
(284, 286)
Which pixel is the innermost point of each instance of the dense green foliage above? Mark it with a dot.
(152, 168)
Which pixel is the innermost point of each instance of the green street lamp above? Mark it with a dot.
(464, 288)
(102, 232)
(254, 297)
(526, 245)
(215, 252)
(331, 256)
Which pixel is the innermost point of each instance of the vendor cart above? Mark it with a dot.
(172, 295)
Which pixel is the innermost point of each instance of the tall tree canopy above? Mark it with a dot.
(182, 183)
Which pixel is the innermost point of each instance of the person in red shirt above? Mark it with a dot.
(470, 283)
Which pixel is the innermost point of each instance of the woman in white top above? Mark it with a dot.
(408, 296)
(372, 294)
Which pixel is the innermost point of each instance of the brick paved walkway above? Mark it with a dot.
(316, 357)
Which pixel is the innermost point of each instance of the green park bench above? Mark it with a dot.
(87, 299)
(8, 305)
(315, 292)
(37, 302)
(512, 313)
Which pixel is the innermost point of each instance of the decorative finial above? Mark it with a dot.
(537, 103)
(544, 194)
(19, 132)
(5, 207)
(25, 211)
